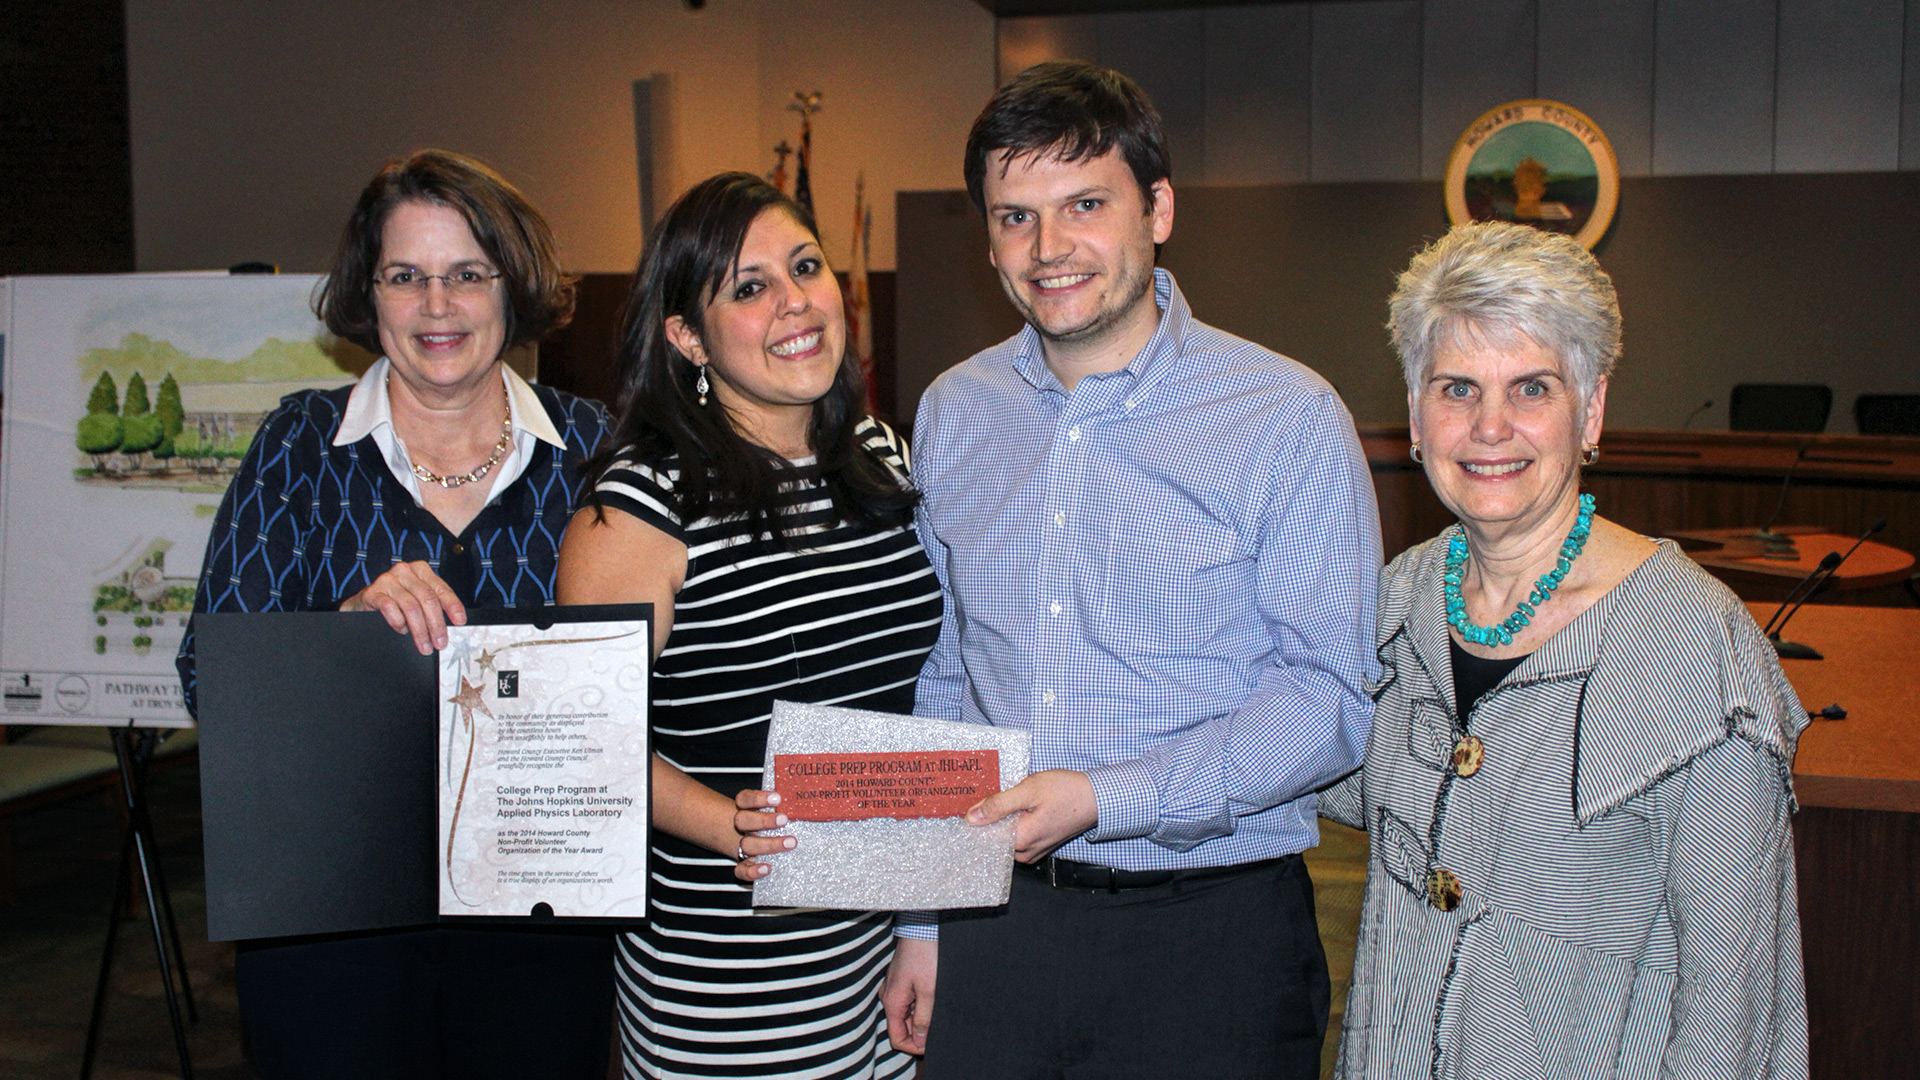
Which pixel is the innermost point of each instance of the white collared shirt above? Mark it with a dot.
(370, 412)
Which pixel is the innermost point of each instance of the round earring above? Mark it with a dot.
(1414, 452)
(700, 386)
(1589, 455)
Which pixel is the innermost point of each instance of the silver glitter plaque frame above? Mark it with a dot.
(889, 864)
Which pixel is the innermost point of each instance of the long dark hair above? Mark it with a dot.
(690, 254)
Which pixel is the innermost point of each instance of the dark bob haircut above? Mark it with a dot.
(689, 257)
(513, 234)
(1073, 111)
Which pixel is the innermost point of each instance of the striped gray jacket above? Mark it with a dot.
(1622, 855)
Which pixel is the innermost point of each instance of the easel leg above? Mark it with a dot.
(139, 848)
(120, 885)
(173, 930)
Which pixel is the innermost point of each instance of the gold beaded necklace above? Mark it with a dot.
(499, 451)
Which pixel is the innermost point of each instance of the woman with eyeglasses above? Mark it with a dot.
(441, 481)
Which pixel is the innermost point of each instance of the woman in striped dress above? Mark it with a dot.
(1578, 787)
(768, 520)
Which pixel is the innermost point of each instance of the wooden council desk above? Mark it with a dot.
(1739, 558)
(1857, 837)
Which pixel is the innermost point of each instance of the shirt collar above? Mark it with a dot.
(1147, 368)
(369, 406)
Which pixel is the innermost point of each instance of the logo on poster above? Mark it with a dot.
(22, 696)
(506, 684)
(72, 693)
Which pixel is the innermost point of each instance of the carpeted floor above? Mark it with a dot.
(52, 931)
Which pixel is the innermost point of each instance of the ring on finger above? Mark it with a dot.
(740, 850)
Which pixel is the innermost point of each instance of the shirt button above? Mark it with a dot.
(1054, 607)
(1073, 435)
(459, 549)
(1468, 753)
(1059, 517)
(1046, 697)
(1443, 889)
(1129, 403)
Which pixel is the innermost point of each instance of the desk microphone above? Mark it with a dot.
(1695, 414)
(1813, 582)
(1778, 546)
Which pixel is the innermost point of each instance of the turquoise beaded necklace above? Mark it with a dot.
(1502, 633)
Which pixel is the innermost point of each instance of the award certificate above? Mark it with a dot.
(543, 767)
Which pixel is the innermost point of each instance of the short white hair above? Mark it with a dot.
(1489, 280)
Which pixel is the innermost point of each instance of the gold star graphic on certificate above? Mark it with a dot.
(486, 660)
(468, 700)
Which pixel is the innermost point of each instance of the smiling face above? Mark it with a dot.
(439, 343)
(1501, 431)
(1073, 242)
(773, 335)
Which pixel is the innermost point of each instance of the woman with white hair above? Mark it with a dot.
(1578, 789)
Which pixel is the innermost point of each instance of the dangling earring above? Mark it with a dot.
(700, 387)
(1414, 452)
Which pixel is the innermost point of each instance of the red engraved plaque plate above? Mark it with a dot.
(854, 787)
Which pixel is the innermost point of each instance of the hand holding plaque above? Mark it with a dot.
(875, 803)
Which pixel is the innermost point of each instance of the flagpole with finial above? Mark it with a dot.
(859, 305)
(778, 177)
(806, 104)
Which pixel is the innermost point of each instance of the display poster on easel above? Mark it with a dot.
(129, 403)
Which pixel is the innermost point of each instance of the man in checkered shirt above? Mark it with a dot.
(1158, 548)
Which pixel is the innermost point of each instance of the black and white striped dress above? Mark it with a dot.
(710, 987)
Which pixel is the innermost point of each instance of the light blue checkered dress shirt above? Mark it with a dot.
(1167, 576)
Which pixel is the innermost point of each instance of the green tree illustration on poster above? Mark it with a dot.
(141, 428)
(172, 417)
(100, 432)
(105, 397)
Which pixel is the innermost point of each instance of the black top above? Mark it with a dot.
(1473, 676)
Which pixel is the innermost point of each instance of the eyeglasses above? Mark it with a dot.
(406, 281)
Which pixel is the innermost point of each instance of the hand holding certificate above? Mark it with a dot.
(544, 769)
(875, 802)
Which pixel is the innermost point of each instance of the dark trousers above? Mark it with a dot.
(435, 1002)
(1217, 977)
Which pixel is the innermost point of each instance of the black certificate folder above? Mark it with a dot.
(322, 762)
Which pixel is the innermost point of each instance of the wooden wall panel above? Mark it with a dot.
(1021, 43)
(1475, 54)
(1259, 84)
(1721, 279)
(1597, 55)
(1366, 90)
(1859, 878)
(1910, 90)
(1713, 87)
(1838, 85)
(950, 301)
(1682, 87)
(1166, 53)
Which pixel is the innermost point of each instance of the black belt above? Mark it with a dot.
(1067, 874)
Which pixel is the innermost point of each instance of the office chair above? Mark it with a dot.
(1779, 407)
(1887, 414)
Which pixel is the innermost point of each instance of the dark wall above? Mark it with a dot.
(1722, 279)
(66, 175)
